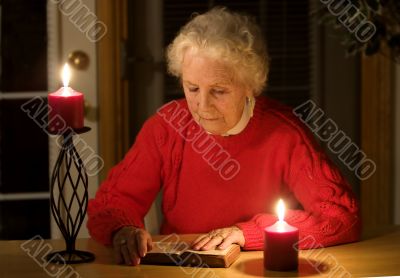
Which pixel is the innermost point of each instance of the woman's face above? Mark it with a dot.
(214, 99)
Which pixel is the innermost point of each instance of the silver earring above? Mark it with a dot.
(248, 100)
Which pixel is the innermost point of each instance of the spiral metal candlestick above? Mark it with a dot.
(69, 210)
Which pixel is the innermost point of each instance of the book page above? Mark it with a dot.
(214, 251)
(180, 247)
(169, 247)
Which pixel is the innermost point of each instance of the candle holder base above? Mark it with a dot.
(72, 257)
(69, 199)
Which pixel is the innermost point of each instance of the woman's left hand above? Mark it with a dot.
(219, 238)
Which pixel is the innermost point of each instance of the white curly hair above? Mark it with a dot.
(228, 36)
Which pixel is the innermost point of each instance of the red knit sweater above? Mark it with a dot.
(211, 182)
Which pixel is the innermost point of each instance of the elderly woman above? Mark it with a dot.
(222, 156)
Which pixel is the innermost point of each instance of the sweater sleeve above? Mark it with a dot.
(126, 195)
(330, 212)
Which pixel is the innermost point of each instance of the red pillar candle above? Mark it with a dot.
(280, 244)
(65, 107)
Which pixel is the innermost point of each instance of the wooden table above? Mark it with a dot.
(377, 255)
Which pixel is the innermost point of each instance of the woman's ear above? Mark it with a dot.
(251, 102)
(249, 93)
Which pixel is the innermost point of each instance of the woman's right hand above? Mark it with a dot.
(130, 244)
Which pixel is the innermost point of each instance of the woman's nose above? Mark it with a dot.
(204, 101)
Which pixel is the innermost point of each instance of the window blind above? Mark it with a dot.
(286, 26)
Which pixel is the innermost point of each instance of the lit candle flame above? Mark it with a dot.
(280, 210)
(66, 75)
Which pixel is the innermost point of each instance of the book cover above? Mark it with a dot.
(179, 253)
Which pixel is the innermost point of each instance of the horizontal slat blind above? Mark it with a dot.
(286, 27)
(287, 32)
(175, 14)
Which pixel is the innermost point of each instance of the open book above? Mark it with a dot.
(178, 253)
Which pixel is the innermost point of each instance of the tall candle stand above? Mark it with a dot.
(69, 210)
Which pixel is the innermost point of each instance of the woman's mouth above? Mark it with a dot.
(209, 119)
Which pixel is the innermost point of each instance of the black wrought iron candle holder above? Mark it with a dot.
(62, 205)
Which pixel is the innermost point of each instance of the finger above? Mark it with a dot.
(226, 232)
(149, 244)
(238, 236)
(126, 255)
(141, 242)
(227, 242)
(117, 254)
(198, 239)
(201, 243)
(117, 250)
(132, 248)
(214, 242)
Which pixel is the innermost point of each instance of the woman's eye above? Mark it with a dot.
(218, 91)
(193, 89)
